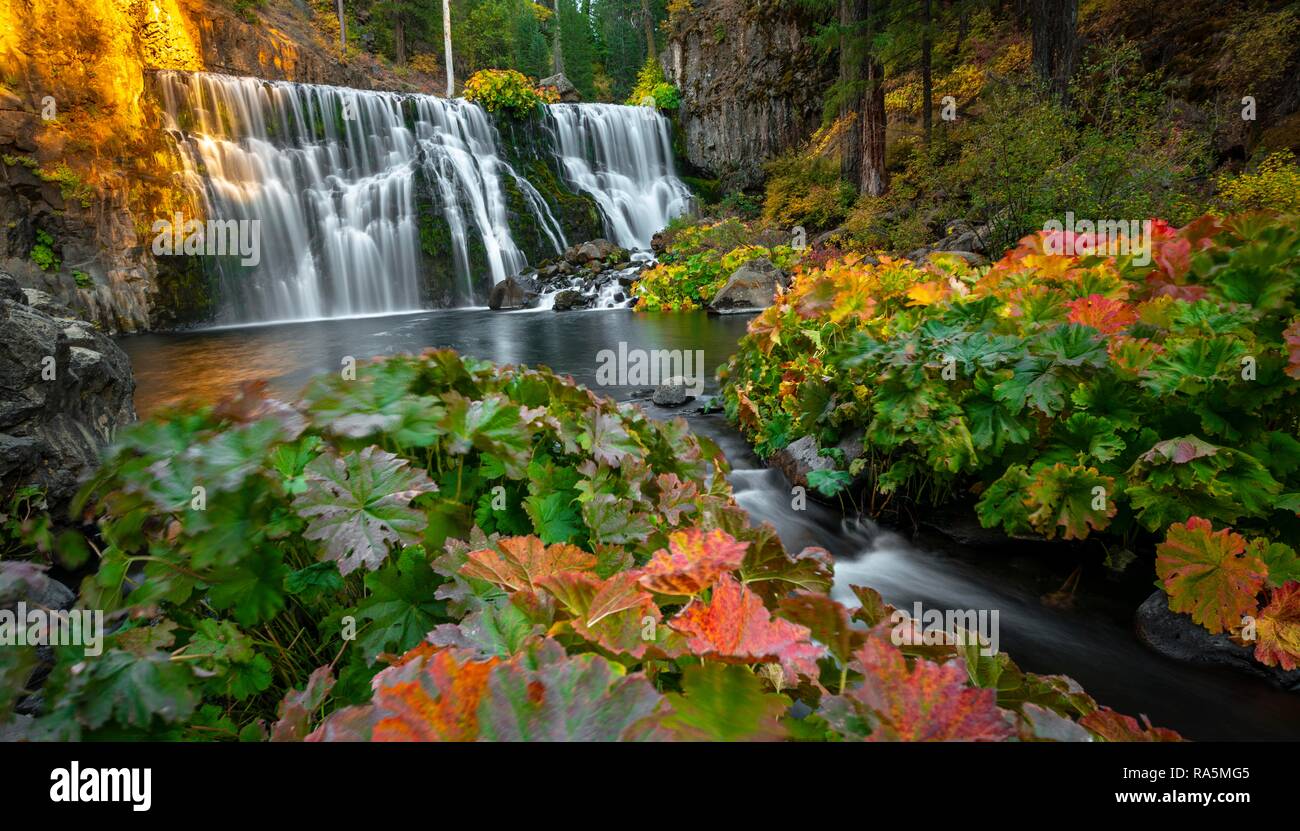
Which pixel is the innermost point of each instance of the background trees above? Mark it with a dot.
(599, 44)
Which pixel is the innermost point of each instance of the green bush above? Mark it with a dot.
(43, 252)
(506, 91)
(240, 543)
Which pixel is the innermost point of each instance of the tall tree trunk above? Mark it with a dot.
(343, 29)
(875, 179)
(399, 40)
(650, 50)
(1054, 24)
(558, 50)
(852, 15)
(927, 82)
(446, 47)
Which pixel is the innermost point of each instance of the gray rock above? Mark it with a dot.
(798, 458)
(671, 393)
(568, 92)
(65, 388)
(749, 95)
(10, 290)
(1175, 636)
(571, 299)
(751, 287)
(597, 251)
(507, 294)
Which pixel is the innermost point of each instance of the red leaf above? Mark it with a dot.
(929, 702)
(736, 627)
(693, 561)
(1117, 727)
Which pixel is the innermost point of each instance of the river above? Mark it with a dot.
(1092, 641)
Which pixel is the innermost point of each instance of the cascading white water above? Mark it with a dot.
(623, 158)
(332, 177)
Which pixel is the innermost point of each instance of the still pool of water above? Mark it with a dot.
(1093, 642)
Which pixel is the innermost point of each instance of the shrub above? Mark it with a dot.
(1273, 185)
(506, 91)
(1076, 396)
(43, 252)
(806, 191)
(480, 526)
(695, 261)
(652, 86)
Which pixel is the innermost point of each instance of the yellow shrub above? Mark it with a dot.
(1273, 185)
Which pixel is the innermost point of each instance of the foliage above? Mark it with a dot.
(506, 91)
(1074, 395)
(43, 252)
(654, 613)
(653, 87)
(1273, 185)
(681, 282)
(806, 191)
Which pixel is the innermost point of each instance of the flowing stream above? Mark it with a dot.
(1093, 641)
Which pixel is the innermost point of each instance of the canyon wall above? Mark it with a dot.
(752, 84)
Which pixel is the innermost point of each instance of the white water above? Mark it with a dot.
(333, 175)
(622, 157)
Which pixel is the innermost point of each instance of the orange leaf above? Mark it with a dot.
(1277, 629)
(1102, 313)
(522, 561)
(735, 627)
(431, 698)
(926, 294)
(1208, 574)
(693, 561)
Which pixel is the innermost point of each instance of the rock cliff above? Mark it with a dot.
(752, 85)
(65, 388)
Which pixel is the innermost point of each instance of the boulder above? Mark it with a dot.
(671, 393)
(597, 250)
(750, 288)
(65, 388)
(508, 294)
(1176, 636)
(798, 458)
(567, 91)
(571, 299)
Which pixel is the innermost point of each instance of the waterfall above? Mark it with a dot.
(623, 158)
(333, 179)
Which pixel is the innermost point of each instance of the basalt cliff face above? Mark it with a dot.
(85, 168)
(752, 84)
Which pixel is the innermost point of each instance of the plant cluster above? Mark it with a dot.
(440, 548)
(1072, 395)
(652, 86)
(507, 91)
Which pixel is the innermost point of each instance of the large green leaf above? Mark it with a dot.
(360, 504)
